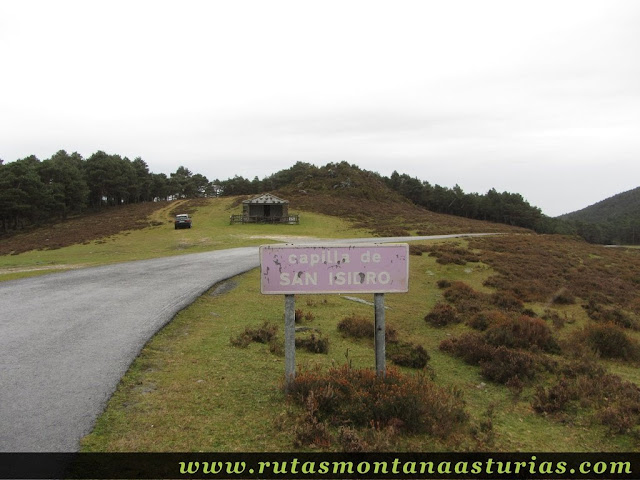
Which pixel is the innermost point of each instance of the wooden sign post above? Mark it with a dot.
(323, 269)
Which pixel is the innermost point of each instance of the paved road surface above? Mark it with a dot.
(67, 339)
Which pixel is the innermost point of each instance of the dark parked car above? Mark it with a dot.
(183, 221)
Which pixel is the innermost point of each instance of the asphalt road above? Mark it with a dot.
(67, 339)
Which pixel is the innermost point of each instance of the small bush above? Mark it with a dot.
(309, 431)
(417, 250)
(262, 334)
(507, 301)
(356, 326)
(408, 355)
(506, 364)
(610, 315)
(486, 318)
(498, 364)
(563, 297)
(555, 398)
(442, 315)
(444, 283)
(359, 398)
(610, 341)
(459, 291)
(472, 348)
(557, 321)
(314, 343)
(524, 332)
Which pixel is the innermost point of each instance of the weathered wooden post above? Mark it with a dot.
(289, 340)
(378, 302)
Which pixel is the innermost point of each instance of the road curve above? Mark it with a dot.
(67, 339)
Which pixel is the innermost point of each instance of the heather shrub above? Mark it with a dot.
(524, 332)
(584, 384)
(262, 334)
(360, 398)
(472, 348)
(308, 430)
(314, 343)
(408, 355)
(611, 341)
(507, 301)
(465, 298)
(416, 249)
(610, 315)
(459, 291)
(498, 364)
(446, 258)
(444, 283)
(563, 297)
(555, 398)
(446, 254)
(506, 364)
(442, 315)
(484, 319)
(555, 318)
(621, 417)
(356, 326)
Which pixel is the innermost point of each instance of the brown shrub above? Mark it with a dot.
(555, 398)
(584, 384)
(417, 249)
(524, 332)
(458, 291)
(506, 364)
(603, 314)
(360, 398)
(486, 318)
(498, 364)
(408, 355)
(356, 326)
(611, 341)
(507, 301)
(442, 315)
(472, 348)
(262, 334)
(313, 343)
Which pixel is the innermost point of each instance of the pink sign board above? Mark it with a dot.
(291, 269)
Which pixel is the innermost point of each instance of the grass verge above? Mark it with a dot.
(191, 389)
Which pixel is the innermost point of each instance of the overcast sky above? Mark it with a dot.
(536, 97)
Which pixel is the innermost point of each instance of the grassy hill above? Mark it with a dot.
(502, 343)
(614, 220)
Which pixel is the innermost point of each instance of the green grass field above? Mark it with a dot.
(211, 231)
(191, 389)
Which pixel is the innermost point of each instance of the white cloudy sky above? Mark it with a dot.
(536, 97)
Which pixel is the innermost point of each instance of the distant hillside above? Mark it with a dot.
(382, 203)
(366, 198)
(620, 205)
(615, 220)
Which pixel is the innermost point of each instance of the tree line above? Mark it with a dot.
(34, 191)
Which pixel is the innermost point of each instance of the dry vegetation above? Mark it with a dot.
(515, 347)
(392, 216)
(82, 229)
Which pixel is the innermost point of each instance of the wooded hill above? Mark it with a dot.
(615, 220)
(33, 192)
